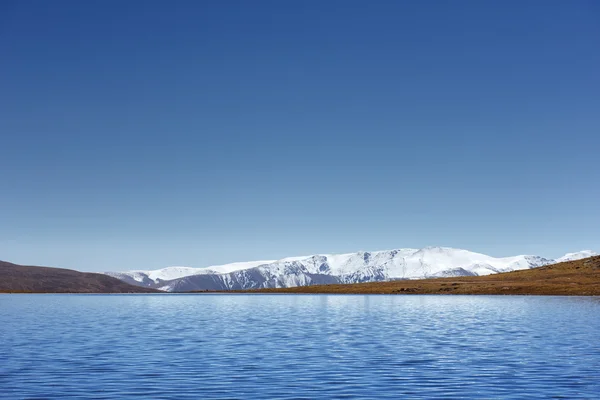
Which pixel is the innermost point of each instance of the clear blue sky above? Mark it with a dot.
(146, 134)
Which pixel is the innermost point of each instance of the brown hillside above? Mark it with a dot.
(581, 277)
(28, 279)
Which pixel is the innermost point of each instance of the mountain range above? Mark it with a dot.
(429, 262)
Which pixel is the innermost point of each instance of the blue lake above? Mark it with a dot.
(298, 347)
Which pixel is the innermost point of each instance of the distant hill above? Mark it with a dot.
(577, 278)
(29, 279)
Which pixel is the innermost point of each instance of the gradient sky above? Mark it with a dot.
(147, 134)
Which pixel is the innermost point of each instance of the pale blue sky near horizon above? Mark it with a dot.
(141, 135)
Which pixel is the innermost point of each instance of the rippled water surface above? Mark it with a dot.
(298, 347)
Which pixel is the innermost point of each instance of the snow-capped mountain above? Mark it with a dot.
(337, 268)
(576, 256)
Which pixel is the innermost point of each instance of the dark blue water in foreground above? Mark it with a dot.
(298, 347)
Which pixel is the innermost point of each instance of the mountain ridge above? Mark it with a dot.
(579, 277)
(362, 266)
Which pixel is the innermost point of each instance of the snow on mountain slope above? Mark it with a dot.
(170, 273)
(577, 256)
(336, 268)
